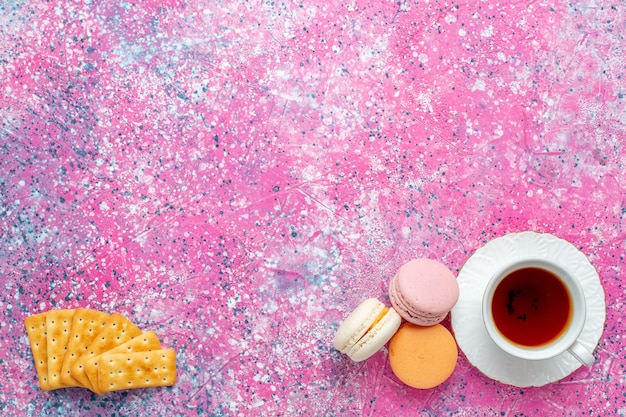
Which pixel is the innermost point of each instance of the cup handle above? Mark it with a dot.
(582, 354)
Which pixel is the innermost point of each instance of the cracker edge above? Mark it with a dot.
(42, 369)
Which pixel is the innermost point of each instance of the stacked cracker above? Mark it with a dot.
(96, 350)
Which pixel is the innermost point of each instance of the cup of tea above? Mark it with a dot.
(534, 309)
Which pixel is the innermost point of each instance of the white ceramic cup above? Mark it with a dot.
(567, 340)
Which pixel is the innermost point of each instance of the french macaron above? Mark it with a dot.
(366, 329)
(423, 356)
(423, 291)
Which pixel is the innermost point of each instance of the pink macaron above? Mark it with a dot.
(423, 291)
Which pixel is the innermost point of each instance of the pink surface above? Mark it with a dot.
(238, 175)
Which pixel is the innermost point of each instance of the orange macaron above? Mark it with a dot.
(422, 356)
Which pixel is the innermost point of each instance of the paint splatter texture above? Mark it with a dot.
(238, 175)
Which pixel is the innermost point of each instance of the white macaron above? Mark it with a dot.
(366, 330)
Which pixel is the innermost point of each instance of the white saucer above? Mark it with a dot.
(467, 321)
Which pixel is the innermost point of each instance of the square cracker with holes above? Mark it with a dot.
(86, 324)
(117, 330)
(58, 328)
(36, 330)
(145, 342)
(118, 371)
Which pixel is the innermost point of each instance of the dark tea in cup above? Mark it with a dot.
(535, 308)
(531, 307)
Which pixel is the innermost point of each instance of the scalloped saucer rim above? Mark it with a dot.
(466, 315)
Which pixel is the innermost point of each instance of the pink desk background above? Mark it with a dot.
(238, 175)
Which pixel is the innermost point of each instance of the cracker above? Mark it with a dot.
(146, 341)
(118, 371)
(117, 330)
(36, 330)
(86, 324)
(58, 328)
